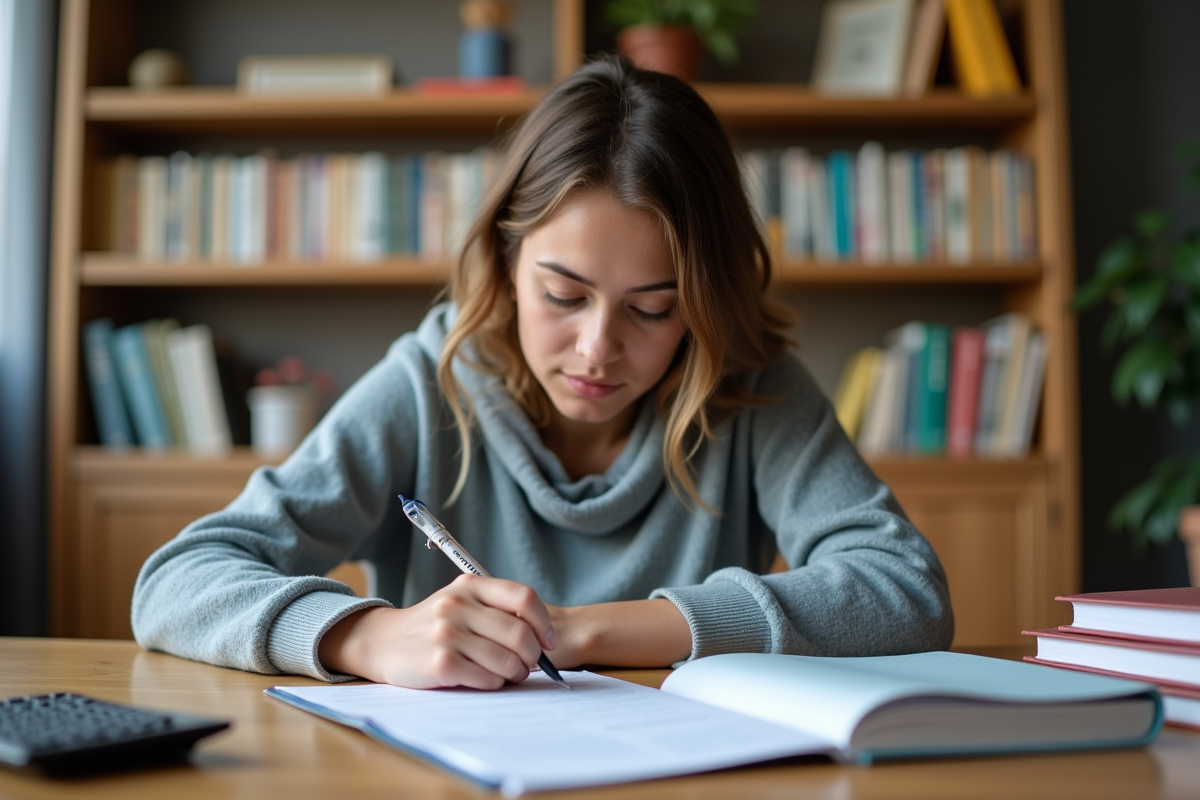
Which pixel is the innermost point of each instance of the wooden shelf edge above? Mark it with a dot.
(95, 461)
(753, 105)
(845, 273)
(104, 269)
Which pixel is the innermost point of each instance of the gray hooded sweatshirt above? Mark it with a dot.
(243, 587)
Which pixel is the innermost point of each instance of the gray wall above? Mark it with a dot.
(1133, 79)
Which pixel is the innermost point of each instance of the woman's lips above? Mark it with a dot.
(592, 390)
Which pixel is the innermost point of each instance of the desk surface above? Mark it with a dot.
(274, 750)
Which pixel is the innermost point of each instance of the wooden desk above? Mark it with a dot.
(274, 750)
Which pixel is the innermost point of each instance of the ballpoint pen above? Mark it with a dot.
(416, 511)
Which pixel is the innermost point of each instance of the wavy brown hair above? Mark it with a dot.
(657, 146)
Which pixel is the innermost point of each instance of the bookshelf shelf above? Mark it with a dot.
(214, 109)
(105, 269)
(102, 269)
(850, 274)
(743, 106)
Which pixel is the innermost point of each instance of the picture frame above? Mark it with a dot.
(862, 47)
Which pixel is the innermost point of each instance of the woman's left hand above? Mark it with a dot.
(633, 633)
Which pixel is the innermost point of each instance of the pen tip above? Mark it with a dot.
(402, 500)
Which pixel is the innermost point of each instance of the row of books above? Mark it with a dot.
(1147, 635)
(958, 205)
(159, 385)
(344, 207)
(934, 390)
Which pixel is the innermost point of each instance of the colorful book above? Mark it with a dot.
(741, 708)
(928, 34)
(883, 418)
(1008, 389)
(138, 387)
(194, 366)
(112, 421)
(154, 333)
(855, 387)
(821, 211)
(841, 203)
(1017, 439)
(903, 224)
(982, 57)
(795, 195)
(927, 349)
(962, 402)
(871, 203)
(152, 202)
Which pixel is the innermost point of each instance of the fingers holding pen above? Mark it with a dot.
(516, 600)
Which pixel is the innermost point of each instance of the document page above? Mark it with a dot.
(537, 735)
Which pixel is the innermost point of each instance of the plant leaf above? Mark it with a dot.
(1113, 331)
(1143, 299)
(1152, 223)
(1185, 263)
(1119, 257)
(1142, 372)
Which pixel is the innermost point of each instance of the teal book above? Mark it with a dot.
(841, 201)
(112, 421)
(931, 404)
(136, 375)
(742, 708)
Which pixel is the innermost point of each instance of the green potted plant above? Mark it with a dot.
(671, 35)
(1150, 280)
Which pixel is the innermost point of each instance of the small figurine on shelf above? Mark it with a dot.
(484, 49)
(283, 404)
(157, 69)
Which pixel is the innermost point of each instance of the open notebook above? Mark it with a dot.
(729, 710)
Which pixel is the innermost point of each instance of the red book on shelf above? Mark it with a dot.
(1173, 664)
(469, 87)
(962, 405)
(1151, 615)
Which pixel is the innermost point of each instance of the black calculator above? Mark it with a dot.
(69, 734)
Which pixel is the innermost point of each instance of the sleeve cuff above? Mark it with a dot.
(723, 618)
(296, 632)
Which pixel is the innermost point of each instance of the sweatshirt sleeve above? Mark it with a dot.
(862, 580)
(244, 587)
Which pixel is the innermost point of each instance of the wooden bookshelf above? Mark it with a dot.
(1006, 531)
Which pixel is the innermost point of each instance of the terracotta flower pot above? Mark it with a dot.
(663, 48)
(1189, 532)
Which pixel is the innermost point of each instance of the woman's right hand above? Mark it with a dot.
(476, 632)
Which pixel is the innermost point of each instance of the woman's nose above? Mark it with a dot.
(599, 342)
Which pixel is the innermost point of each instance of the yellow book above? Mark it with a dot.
(855, 387)
(982, 57)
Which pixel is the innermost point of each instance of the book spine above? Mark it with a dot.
(193, 360)
(137, 385)
(931, 404)
(957, 204)
(841, 199)
(222, 169)
(372, 194)
(112, 423)
(900, 207)
(966, 369)
(152, 193)
(933, 205)
(871, 203)
(1032, 375)
(433, 206)
(981, 54)
(821, 212)
(795, 166)
(155, 334)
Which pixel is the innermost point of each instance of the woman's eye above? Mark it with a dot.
(561, 302)
(652, 316)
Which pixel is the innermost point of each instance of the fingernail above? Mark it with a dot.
(551, 639)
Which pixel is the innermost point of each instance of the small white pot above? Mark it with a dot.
(280, 417)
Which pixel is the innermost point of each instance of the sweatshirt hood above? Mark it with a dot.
(594, 504)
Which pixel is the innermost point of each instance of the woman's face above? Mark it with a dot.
(595, 291)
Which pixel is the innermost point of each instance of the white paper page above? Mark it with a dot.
(537, 735)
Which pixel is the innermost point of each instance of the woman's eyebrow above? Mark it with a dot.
(566, 273)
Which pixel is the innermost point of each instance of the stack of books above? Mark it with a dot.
(1147, 635)
(933, 390)
(158, 385)
(958, 206)
(327, 207)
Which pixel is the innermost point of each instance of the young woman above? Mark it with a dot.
(606, 416)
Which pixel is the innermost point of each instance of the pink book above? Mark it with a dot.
(962, 404)
(1174, 664)
(1151, 615)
